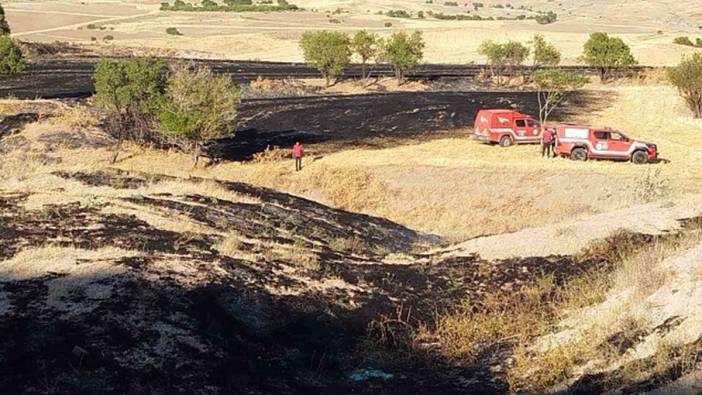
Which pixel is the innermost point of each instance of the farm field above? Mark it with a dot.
(648, 27)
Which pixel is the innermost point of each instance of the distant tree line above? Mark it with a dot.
(230, 6)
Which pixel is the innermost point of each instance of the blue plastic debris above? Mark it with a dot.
(368, 374)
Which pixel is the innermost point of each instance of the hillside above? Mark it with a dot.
(389, 256)
(649, 27)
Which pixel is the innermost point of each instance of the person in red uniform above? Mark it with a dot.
(546, 140)
(297, 153)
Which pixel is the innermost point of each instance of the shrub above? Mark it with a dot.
(108, 37)
(11, 59)
(687, 77)
(606, 53)
(451, 3)
(546, 18)
(198, 106)
(403, 52)
(683, 40)
(328, 52)
(129, 91)
(398, 14)
(4, 26)
(173, 31)
(388, 24)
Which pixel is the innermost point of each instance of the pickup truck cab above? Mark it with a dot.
(583, 142)
(506, 127)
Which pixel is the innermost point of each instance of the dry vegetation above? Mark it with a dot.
(646, 26)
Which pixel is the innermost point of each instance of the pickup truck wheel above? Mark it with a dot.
(578, 154)
(639, 157)
(505, 141)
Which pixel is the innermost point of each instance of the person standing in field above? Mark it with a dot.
(297, 153)
(546, 141)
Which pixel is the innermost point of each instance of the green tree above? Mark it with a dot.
(607, 53)
(552, 88)
(11, 59)
(403, 51)
(328, 52)
(4, 26)
(687, 77)
(129, 91)
(503, 57)
(545, 53)
(365, 45)
(198, 106)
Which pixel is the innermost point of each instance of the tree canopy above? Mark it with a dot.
(4, 26)
(606, 53)
(545, 53)
(365, 45)
(328, 52)
(403, 51)
(11, 58)
(687, 77)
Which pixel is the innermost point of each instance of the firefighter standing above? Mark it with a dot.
(546, 143)
(297, 153)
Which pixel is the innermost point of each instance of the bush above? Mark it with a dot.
(198, 106)
(687, 77)
(173, 31)
(11, 59)
(108, 37)
(546, 18)
(328, 52)
(403, 52)
(683, 40)
(398, 14)
(606, 53)
(4, 26)
(129, 91)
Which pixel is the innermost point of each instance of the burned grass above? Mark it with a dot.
(180, 312)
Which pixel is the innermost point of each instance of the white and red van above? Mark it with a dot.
(583, 142)
(506, 127)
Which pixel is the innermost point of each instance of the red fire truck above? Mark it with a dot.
(583, 142)
(506, 127)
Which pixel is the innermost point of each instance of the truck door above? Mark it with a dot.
(600, 143)
(521, 128)
(619, 144)
(533, 128)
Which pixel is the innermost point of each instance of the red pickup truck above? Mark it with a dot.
(506, 127)
(583, 142)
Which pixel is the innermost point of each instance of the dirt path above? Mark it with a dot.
(570, 237)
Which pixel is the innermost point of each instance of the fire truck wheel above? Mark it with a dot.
(578, 154)
(639, 157)
(505, 141)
